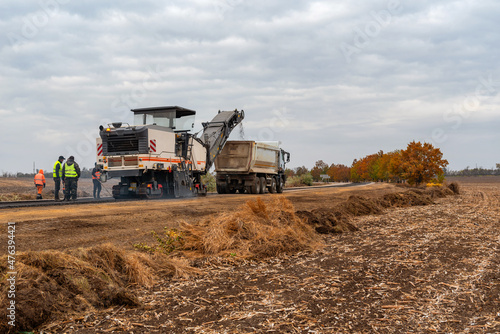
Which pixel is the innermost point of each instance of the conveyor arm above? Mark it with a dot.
(217, 131)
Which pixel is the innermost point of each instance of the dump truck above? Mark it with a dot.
(158, 156)
(251, 167)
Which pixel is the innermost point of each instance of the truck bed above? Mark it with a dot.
(245, 157)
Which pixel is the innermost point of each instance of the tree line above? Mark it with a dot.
(418, 163)
(473, 171)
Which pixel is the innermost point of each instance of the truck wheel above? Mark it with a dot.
(232, 191)
(255, 188)
(263, 185)
(221, 189)
(272, 188)
(280, 185)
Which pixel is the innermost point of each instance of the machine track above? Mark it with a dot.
(88, 200)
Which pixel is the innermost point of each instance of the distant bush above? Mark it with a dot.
(302, 180)
(209, 181)
(307, 179)
(28, 175)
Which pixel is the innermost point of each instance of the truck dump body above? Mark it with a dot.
(244, 157)
(251, 167)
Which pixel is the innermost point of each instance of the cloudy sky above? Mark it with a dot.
(331, 80)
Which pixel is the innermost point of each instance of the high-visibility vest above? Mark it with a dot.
(96, 176)
(70, 171)
(60, 169)
(39, 179)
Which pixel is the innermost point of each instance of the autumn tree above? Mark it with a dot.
(301, 170)
(388, 166)
(375, 166)
(353, 175)
(421, 162)
(320, 167)
(343, 173)
(339, 173)
(289, 173)
(364, 169)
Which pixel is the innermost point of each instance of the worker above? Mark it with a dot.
(96, 179)
(57, 174)
(70, 175)
(39, 183)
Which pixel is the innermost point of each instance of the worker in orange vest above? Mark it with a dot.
(96, 179)
(39, 183)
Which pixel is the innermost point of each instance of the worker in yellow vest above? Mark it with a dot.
(96, 179)
(70, 175)
(57, 175)
(39, 183)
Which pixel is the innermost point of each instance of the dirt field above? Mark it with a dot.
(431, 268)
(126, 223)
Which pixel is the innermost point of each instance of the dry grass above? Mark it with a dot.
(455, 187)
(120, 265)
(50, 284)
(257, 229)
(174, 267)
(16, 197)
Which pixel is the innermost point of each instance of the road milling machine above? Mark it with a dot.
(159, 156)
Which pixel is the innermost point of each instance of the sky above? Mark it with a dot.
(330, 80)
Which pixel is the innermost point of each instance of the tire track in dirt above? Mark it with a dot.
(466, 281)
(433, 243)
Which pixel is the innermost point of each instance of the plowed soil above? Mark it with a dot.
(401, 263)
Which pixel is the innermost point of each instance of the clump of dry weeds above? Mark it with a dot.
(409, 198)
(455, 187)
(10, 197)
(326, 221)
(119, 265)
(52, 283)
(256, 229)
(337, 219)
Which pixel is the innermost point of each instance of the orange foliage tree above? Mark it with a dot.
(339, 173)
(319, 168)
(364, 169)
(417, 164)
(421, 162)
(388, 166)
